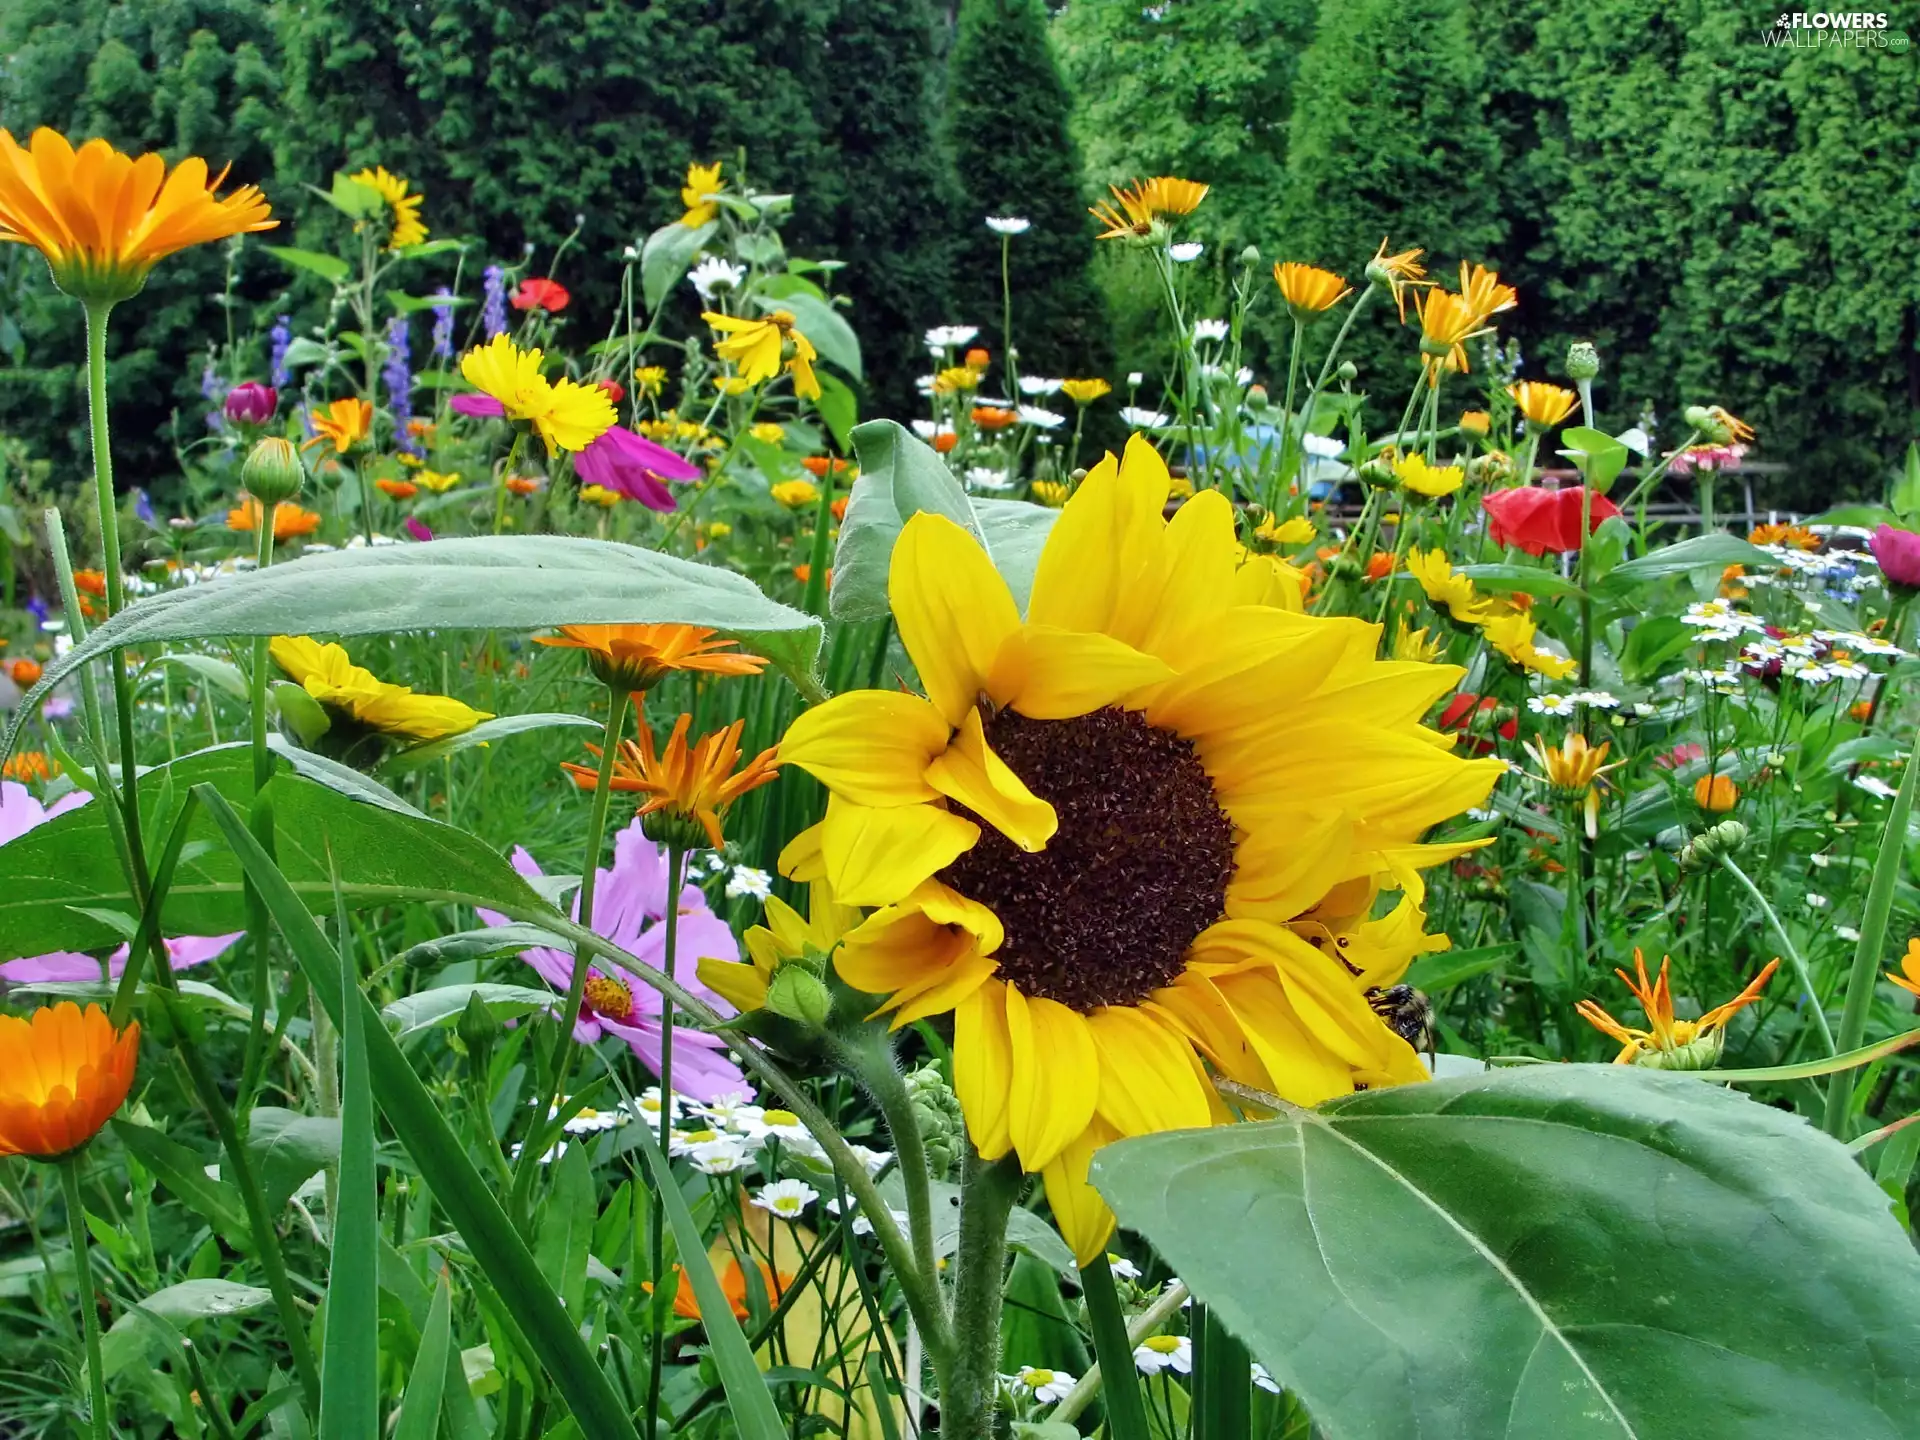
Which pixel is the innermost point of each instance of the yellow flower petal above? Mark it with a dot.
(1055, 1079)
(1083, 1217)
(1105, 535)
(953, 609)
(869, 746)
(970, 773)
(1147, 1079)
(801, 859)
(742, 986)
(1051, 674)
(875, 856)
(983, 1067)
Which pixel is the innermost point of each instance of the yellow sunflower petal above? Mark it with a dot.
(983, 1067)
(970, 773)
(1147, 1079)
(1189, 582)
(1083, 1217)
(1055, 1079)
(937, 994)
(1051, 674)
(800, 860)
(869, 746)
(875, 856)
(953, 609)
(1298, 1066)
(1106, 534)
(742, 986)
(1284, 868)
(902, 944)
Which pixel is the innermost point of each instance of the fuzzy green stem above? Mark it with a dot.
(97, 313)
(1800, 971)
(83, 1278)
(988, 1193)
(873, 1061)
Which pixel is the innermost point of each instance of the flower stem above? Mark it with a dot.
(1126, 1416)
(260, 822)
(83, 1278)
(1793, 956)
(97, 312)
(656, 1221)
(873, 1061)
(988, 1192)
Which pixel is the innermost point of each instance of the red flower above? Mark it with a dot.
(1461, 712)
(1541, 521)
(616, 392)
(538, 294)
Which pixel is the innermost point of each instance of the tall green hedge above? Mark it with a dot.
(1008, 116)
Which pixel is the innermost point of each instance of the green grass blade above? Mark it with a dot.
(350, 1360)
(1222, 1381)
(419, 1417)
(1119, 1380)
(751, 1405)
(439, 1154)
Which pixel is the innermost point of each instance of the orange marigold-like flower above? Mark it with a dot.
(63, 1072)
(398, 489)
(1799, 537)
(1136, 208)
(638, 657)
(1483, 292)
(691, 789)
(1398, 273)
(1308, 290)
(344, 422)
(289, 521)
(1543, 404)
(993, 417)
(29, 766)
(1670, 1044)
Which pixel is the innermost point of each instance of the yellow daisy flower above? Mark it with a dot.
(795, 493)
(1136, 209)
(1434, 481)
(1447, 588)
(1295, 530)
(358, 697)
(407, 229)
(703, 183)
(1511, 632)
(1092, 839)
(1412, 644)
(1308, 290)
(757, 348)
(1085, 392)
(438, 481)
(564, 414)
(1542, 404)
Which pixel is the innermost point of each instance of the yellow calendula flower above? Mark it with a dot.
(758, 347)
(649, 379)
(767, 433)
(1447, 322)
(1295, 530)
(358, 697)
(1091, 840)
(795, 493)
(1576, 771)
(563, 413)
(1141, 206)
(1670, 1044)
(407, 229)
(599, 495)
(1051, 493)
(703, 183)
(1447, 588)
(956, 380)
(103, 220)
(1542, 404)
(1434, 481)
(1085, 392)
(1308, 290)
(1397, 273)
(1483, 294)
(438, 481)
(1411, 644)
(787, 938)
(1511, 632)
(345, 423)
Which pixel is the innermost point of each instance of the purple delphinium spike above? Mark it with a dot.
(282, 337)
(398, 377)
(443, 326)
(215, 393)
(493, 309)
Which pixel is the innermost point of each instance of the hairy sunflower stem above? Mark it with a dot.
(872, 1060)
(83, 1279)
(971, 1376)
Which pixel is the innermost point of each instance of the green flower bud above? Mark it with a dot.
(1493, 468)
(477, 1029)
(1713, 844)
(1250, 255)
(936, 1112)
(1700, 1054)
(272, 472)
(796, 993)
(1583, 361)
(1348, 372)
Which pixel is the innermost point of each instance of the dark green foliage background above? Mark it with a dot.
(1728, 221)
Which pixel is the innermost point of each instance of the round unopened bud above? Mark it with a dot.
(1378, 472)
(273, 472)
(1250, 255)
(477, 1028)
(1583, 361)
(1257, 397)
(251, 403)
(1712, 845)
(1711, 422)
(1700, 1053)
(1348, 372)
(1493, 468)
(796, 993)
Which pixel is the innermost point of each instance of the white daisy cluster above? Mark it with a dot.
(943, 338)
(1720, 620)
(731, 1130)
(739, 879)
(1859, 644)
(1567, 704)
(1722, 681)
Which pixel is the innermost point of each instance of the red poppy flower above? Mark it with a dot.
(540, 294)
(1460, 714)
(616, 392)
(1541, 521)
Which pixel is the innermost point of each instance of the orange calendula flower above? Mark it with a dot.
(1398, 273)
(29, 766)
(398, 489)
(1543, 404)
(638, 657)
(104, 220)
(63, 1072)
(344, 422)
(523, 485)
(25, 673)
(993, 417)
(1670, 1044)
(1717, 793)
(733, 1284)
(690, 789)
(1797, 537)
(1909, 977)
(1140, 206)
(1483, 292)
(1308, 290)
(1447, 322)
(91, 582)
(1475, 423)
(289, 521)
(1382, 563)
(1575, 770)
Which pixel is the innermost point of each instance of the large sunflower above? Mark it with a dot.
(1135, 834)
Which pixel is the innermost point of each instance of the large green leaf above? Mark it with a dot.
(69, 861)
(165, 1313)
(900, 476)
(1565, 1251)
(1702, 552)
(489, 582)
(288, 1147)
(666, 256)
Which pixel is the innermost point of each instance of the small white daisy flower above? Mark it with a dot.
(781, 1125)
(787, 1199)
(1039, 385)
(1049, 1387)
(1552, 704)
(552, 1154)
(713, 275)
(1847, 933)
(1164, 1352)
(985, 477)
(1599, 699)
(874, 1160)
(746, 880)
(1134, 377)
(1817, 902)
(592, 1122)
(1209, 330)
(1041, 419)
(1141, 419)
(1185, 251)
(1008, 224)
(722, 1159)
(1123, 1267)
(1264, 1380)
(948, 337)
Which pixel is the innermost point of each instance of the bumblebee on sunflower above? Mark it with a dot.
(1134, 834)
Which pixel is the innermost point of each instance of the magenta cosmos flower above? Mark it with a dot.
(633, 466)
(630, 908)
(1898, 552)
(19, 813)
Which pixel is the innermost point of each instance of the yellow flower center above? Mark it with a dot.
(1141, 835)
(1164, 1344)
(609, 997)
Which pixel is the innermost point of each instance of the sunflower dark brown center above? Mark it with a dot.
(1137, 869)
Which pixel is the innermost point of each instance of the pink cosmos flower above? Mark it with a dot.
(417, 528)
(629, 908)
(477, 405)
(19, 813)
(633, 466)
